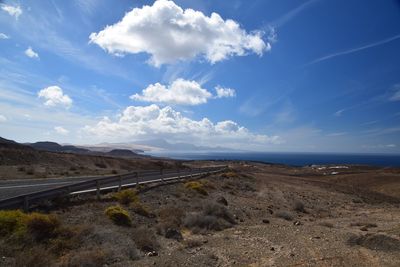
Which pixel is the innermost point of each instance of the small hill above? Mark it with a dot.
(122, 153)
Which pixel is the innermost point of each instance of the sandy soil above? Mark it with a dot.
(283, 216)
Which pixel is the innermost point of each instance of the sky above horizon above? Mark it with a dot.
(287, 75)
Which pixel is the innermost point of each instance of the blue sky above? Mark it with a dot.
(287, 75)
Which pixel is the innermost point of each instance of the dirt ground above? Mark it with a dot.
(253, 215)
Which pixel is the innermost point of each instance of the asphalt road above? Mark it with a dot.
(13, 188)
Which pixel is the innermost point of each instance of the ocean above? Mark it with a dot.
(294, 159)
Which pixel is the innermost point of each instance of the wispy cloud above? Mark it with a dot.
(354, 50)
(339, 112)
(292, 13)
(336, 134)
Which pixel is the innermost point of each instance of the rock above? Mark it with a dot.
(265, 221)
(296, 223)
(272, 249)
(364, 228)
(173, 234)
(222, 200)
(152, 254)
(270, 211)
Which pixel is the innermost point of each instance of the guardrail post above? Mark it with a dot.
(26, 203)
(162, 174)
(98, 189)
(120, 183)
(191, 172)
(137, 178)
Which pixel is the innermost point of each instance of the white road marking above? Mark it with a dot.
(33, 185)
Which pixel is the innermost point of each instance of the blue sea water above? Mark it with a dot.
(294, 159)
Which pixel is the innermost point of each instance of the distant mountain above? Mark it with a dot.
(55, 147)
(122, 153)
(5, 143)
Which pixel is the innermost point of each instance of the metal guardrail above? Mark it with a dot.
(105, 184)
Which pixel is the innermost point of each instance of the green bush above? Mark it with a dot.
(196, 186)
(12, 222)
(125, 197)
(118, 215)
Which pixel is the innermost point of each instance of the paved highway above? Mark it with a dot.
(13, 188)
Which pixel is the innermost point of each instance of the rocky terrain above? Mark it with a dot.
(252, 215)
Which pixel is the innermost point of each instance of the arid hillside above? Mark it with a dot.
(252, 215)
(19, 161)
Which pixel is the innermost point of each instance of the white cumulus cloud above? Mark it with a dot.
(224, 92)
(54, 96)
(3, 118)
(4, 36)
(151, 121)
(61, 130)
(15, 11)
(30, 53)
(168, 33)
(179, 92)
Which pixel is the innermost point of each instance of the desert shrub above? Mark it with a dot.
(127, 196)
(142, 210)
(298, 206)
(365, 224)
(34, 257)
(118, 215)
(326, 224)
(212, 217)
(170, 217)
(193, 243)
(145, 239)
(42, 226)
(21, 169)
(196, 186)
(375, 242)
(219, 211)
(284, 215)
(12, 222)
(207, 184)
(30, 171)
(100, 165)
(230, 174)
(84, 258)
(114, 172)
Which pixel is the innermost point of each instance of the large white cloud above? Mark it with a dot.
(54, 96)
(30, 53)
(168, 33)
(138, 122)
(15, 11)
(179, 92)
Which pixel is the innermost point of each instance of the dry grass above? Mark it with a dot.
(142, 210)
(196, 186)
(125, 197)
(12, 222)
(42, 226)
(284, 215)
(212, 217)
(84, 258)
(145, 239)
(118, 215)
(299, 206)
(34, 257)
